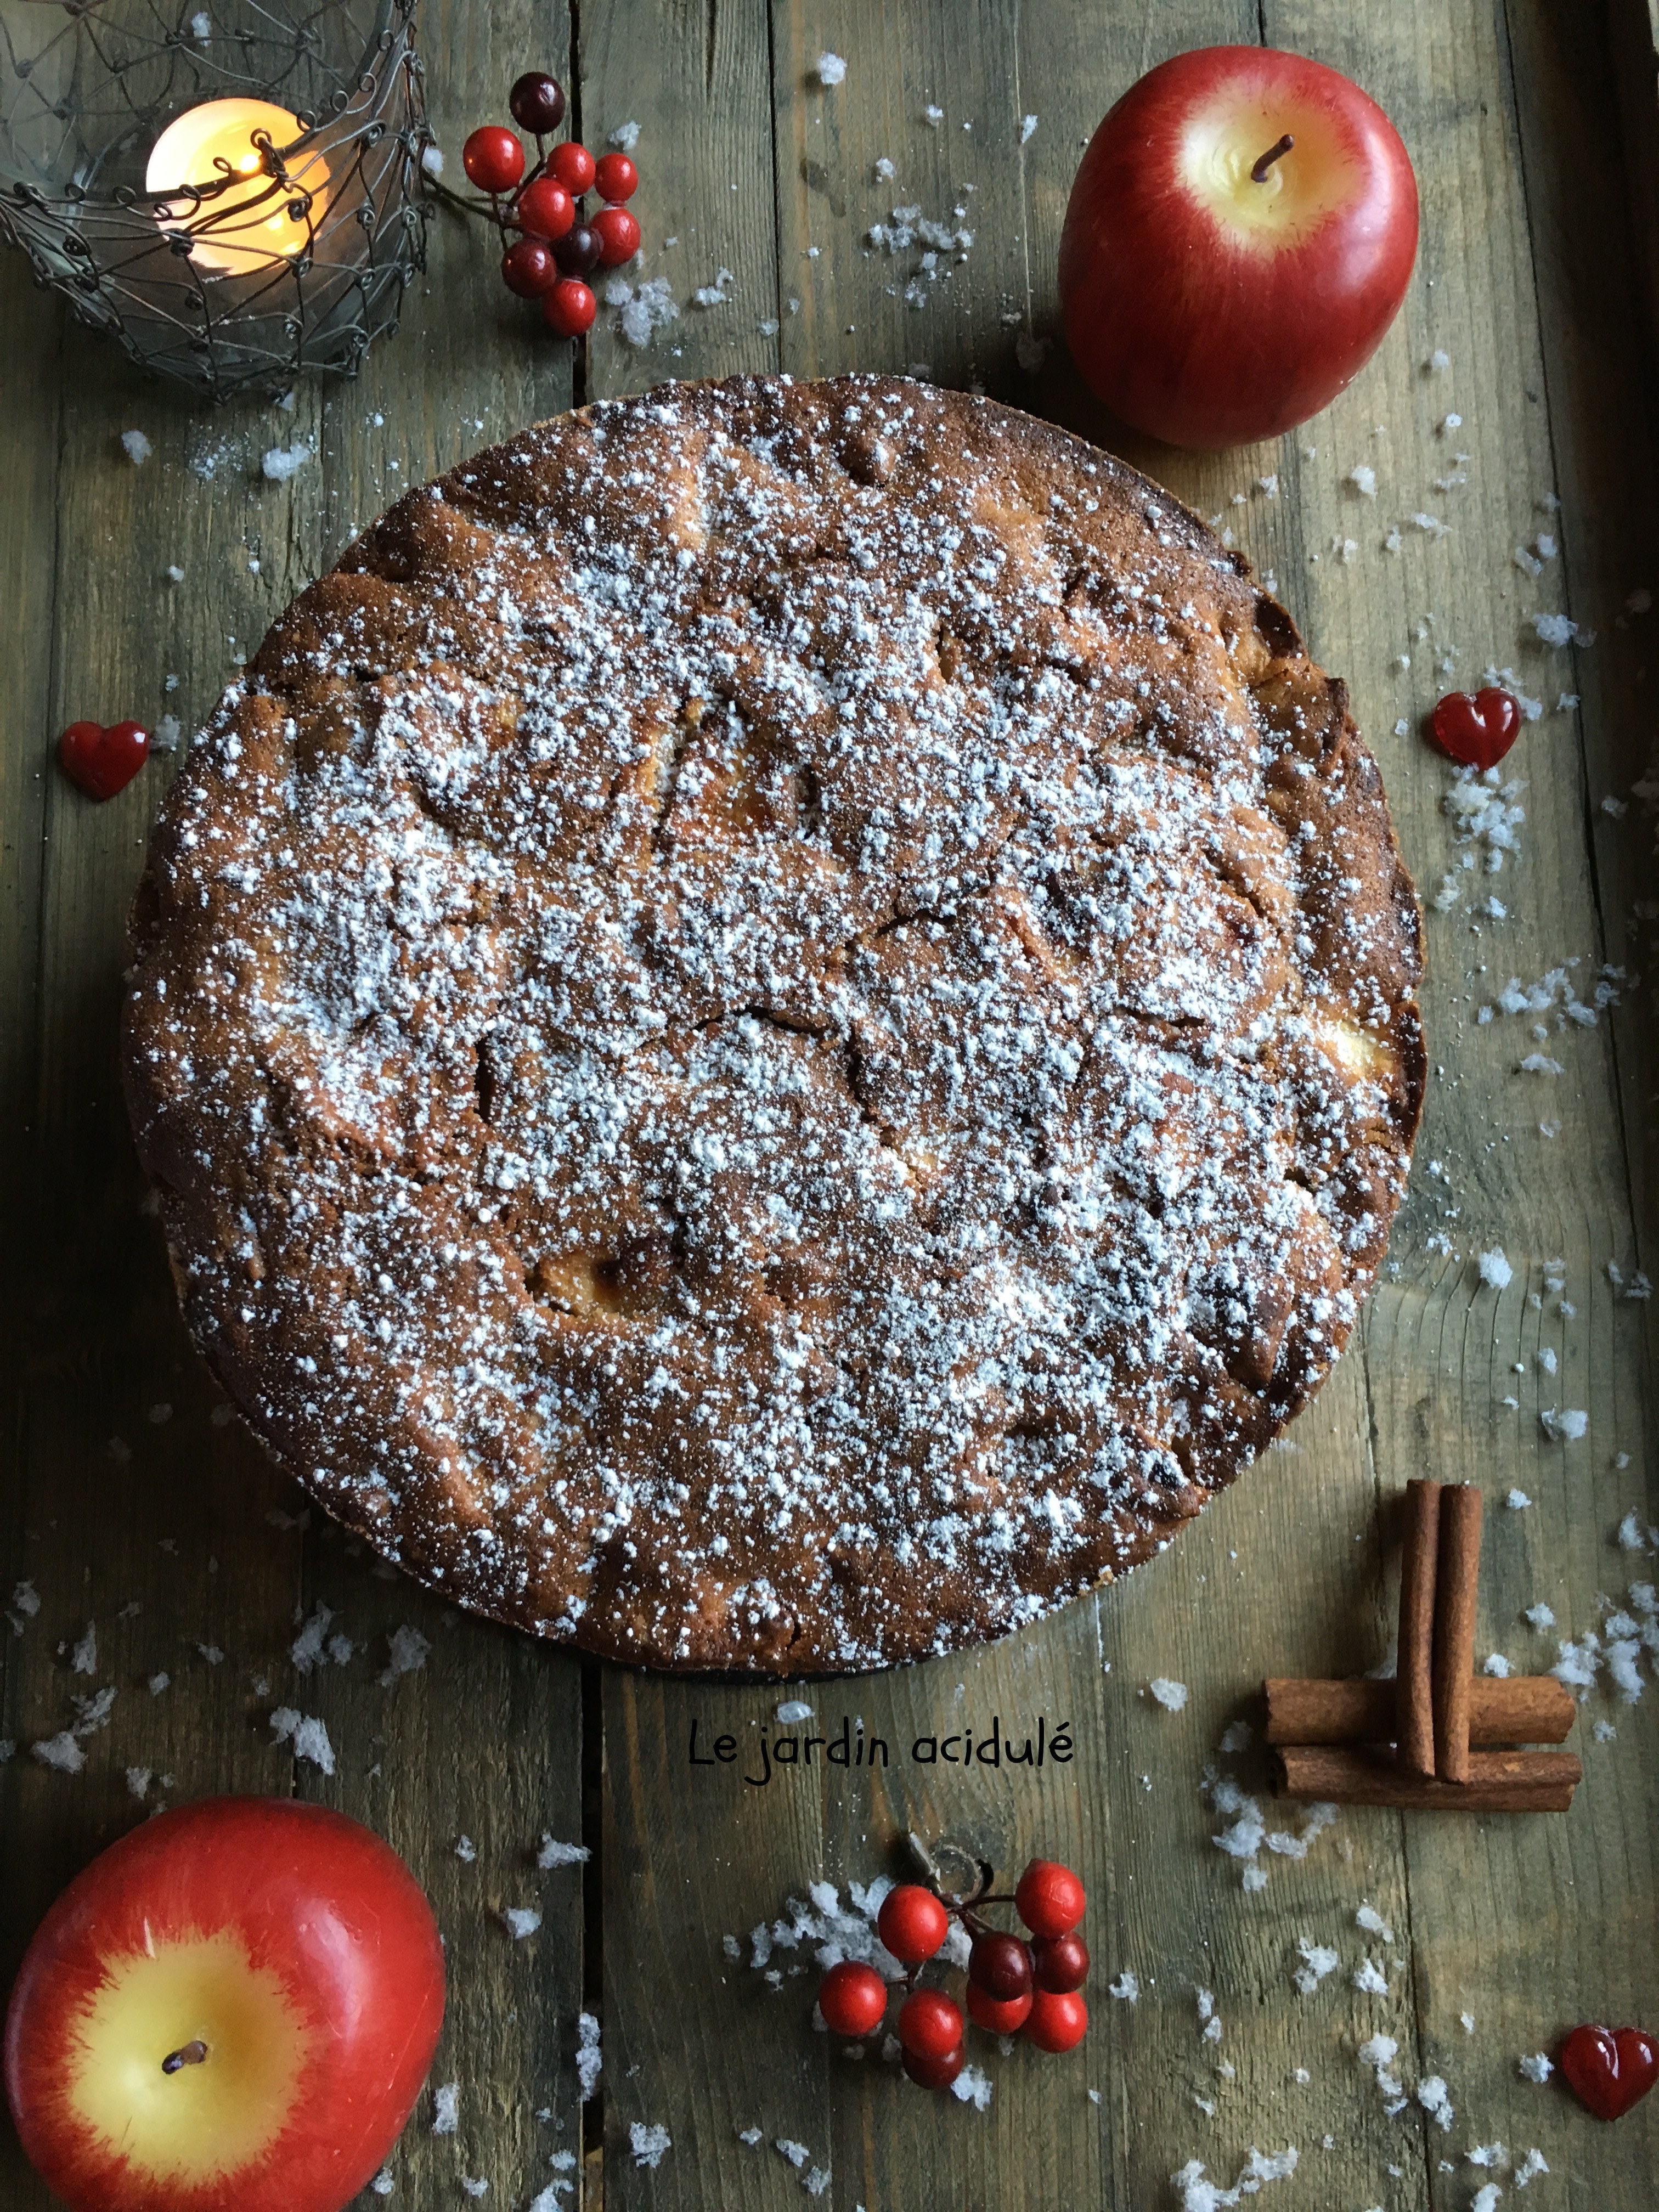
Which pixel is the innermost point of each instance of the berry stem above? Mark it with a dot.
(486, 212)
(1259, 171)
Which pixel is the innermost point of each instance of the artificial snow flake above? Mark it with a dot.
(1198, 2195)
(521, 1921)
(648, 2144)
(1566, 1426)
(588, 2061)
(1537, 2068)
(136, 447)
(308, 1736)
(406, 1652)
(1318, 1961)
(444, 2103)
(551, 1853)
(1172, 1696)
(1495, 1269)
(830, 69)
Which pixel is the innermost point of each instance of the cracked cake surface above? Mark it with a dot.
(776, 1026)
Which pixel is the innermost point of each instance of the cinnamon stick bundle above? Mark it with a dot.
(1335, 1740)
(1517, 1709)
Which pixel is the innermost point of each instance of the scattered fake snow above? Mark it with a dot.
(444, 2102)
(830, 69)
(648, 2143)
(521, 1921)
(406, 1652)
(1319, 1960)
(136, 447)
(588, 2061)
(1495, 1269)
(1566, 1426)
(279, 465)
(1197, 2195)
(551, 1853)
(792, 1709)
(1172, 1696)
(309, 1737)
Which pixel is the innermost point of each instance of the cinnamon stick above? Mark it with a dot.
(1495, 1781)
(1417, 1592)
(1457, 1576)
(1517, 1709)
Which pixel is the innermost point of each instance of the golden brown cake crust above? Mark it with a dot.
(777, 1026)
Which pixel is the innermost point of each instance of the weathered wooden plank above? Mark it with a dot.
(106, 1342)
(482, 1739)
(137, 1515)
(690, 1856)
(693, 74)
(1481, 99)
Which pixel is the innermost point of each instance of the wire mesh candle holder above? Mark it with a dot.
(229, 188)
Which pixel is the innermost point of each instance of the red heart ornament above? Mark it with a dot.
(103, 760)
(1476, 733)
(1610, 2069)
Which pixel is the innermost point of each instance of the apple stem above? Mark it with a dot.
(191, 2054)
(1259, 173)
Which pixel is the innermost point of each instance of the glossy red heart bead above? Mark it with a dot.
(1477, 733)
(103, 760)
(1610, 2069)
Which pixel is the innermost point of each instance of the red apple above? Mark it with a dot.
(1239, 237)
(233, 2006)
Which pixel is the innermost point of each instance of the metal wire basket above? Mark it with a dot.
(230, 274)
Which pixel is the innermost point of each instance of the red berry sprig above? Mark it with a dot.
(554, 244)
(1014, 1984)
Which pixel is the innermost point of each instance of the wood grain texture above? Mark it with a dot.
(750, 162)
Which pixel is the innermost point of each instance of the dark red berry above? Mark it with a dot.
(578, 251)
(528, 268)
(1476, 733)
(1001, 2019)
(618, 235)
(930, 2023)
(1001, 1964)
(537, 102)
(493, 158)
(1059, 2019)
(934, 2073)
(1049, 1899)
(103, 760)
(544, 209)
(573, 165)
(616, 177)
(911, 1923)
(1060, 1962)
(853, 1999)
(570, 308)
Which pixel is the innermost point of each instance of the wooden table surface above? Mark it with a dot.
(129, 1504)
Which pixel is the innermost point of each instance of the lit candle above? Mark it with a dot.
(240, 227)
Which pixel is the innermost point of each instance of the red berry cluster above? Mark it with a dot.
(558, 243)
(1012, 1984)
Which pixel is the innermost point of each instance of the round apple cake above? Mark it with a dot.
(777, 1026)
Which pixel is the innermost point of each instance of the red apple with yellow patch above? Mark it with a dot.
(1239, 237)
(233, 2006)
